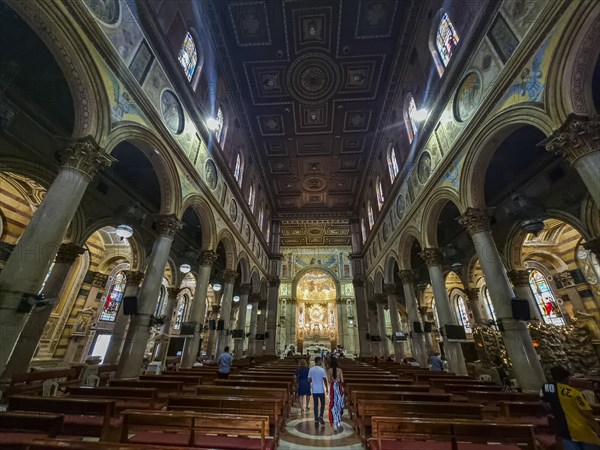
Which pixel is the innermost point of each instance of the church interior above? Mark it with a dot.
(388, 185)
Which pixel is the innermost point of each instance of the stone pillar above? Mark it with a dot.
(241, 322)
(138, 333)
(198, 310)
(578, 141)
(392, 298)
(517, 340)
(381, 326)
(165, 329)
(362, 317)
(342, 322)
(453, 350)
(133, 281)
(520, 281)
(475, 304)
(412, 310)
(260, 329)
(39, 315)
(374, 329)
(212, 334)
(28, 263)
(292, 322)
(272, 315)
(254, 299)
(229, 278)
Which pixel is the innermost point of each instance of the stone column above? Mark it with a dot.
(453, 350)
(376, 347)
(210, 344)
(520, 281)
(381, 304)
(341, 322)
(133, 281)
(412, 310)
(198, 310)
(39, 315)
(392, 299)
(28, 264)
(229, 278)
(362, 317)
(578, 141)
(475, 304)
(517, 340)
(260, 329)
(254, 299)
(138, 333)
(272, 315)
(292, 322)
(241, 322)
(165, 329)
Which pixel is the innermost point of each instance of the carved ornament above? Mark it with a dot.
(475, 220)
(518, 278)
(208, 257)
(68, 253)
(168, 225)
(432, 256)
(86, 157)
(577, 137)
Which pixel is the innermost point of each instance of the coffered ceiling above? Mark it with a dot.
(315, 81)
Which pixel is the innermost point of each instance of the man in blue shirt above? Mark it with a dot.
(436, 363)
(224, 364)
(317, 377)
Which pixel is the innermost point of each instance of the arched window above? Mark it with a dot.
(544, 298)
(268, 234)
(363, 230)
(220, 122)
(239, 169)
(261, 217)
(379, 193)
(46, 278)
(410, 109)
(188, 56)
(114, 297)
(251, 197)
(182, 307)
(161, 301)
(370, 215)
(446, 39)
(489, 306)
(392, 163)
(463, 314)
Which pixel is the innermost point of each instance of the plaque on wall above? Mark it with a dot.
(107, 11)
(171, 111)
(400, 206)
(424, 168)
(233, 210)
(468, 97)
(210, 174)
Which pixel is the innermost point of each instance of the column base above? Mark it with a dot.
(419, 352)
(456, 359)
(132, 356)
(238, 348)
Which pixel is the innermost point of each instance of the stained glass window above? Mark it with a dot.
(46, 278)
(114, 297)
(463, 314)
(237, 172)
(251, 197)
(363, 230)
(261, 217)
(268, 231)
(379, 192)
(181, 310)
(393, 163)
(220, 122)
(188, 56)
(488, 303)
(446, 39)
(409, 117)
(370, 215)
(544, 297)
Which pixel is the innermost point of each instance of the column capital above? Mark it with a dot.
(423, 310)
(472, 294)
(172, 292)
(254, 297)
(229, 276)
(86, 157)
(475, 220)
(380, 298)
(565, 278)
(577, 137)
(390, 289)
(432, 256)
(358, 281)
(216, 308)
(100, 279)
(593, 245)
(518, 277)
(68, 253)
(274, 281)
(208, 257)
(168, 225)
(245, 289)
(339, 301)
(134, 278)
(292, 301)
(407, 276)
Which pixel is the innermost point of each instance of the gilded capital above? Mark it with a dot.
(68, 253)
(168, 225)
(172, 292)
(274, 281)
(99, 280)
(577, 137)
(208, 257)
(134, 278)
(593, 246)
(475, 220)
(245, 289)
(407, 276)
(216, 309)
(518, 278)
(86, 157)
(472, 294)
(390, 289)
(432, 256)
(229, 276)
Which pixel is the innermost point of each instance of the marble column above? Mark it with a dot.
(30, 260)
(453, 350)
(138, 333)
(381, 325)
(229, 278)
(520, 281)
(241, 322)
(272, 315)
(260, 329)
(578, 141)
(412, 310)
(165, 329)
(376, 347)
(342, 322)
(431, 344)
(198, 310)
(362, 317)
(292, 323)
(517, 340)
(133, 280)
(254, 299)
(475, 306)
(392, 299)
(212, 334)
(38, 317)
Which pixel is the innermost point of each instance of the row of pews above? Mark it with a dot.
(183, 408)
(404, 408)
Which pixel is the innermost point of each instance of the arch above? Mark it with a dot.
(431, 214)
(228, 241)
(138, 251)
(206, 217)
(244, 266)
(378, 281)
(390, 262)
(255, 280)
(406, 239)
(486, 140)
(312, 267)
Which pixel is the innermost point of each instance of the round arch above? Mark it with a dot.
(378, 281)
(228, 241)
(242, 263)
(310, 268)
(255, 281)
(431, 214)
(406, 239)
(391, 260)
(206, 218)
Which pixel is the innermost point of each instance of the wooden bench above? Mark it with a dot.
(440, 383)
(197, 430)
(487, 397)
(62, 444)
(244, 391)
(403, 388)
(17, 429)
(83, 416)
(32, 382)
(425, 377)
(358, 395)
(259, 384)
(448, 434)
(163, 387)
(460, 388)
(125, 397)
(186, 379)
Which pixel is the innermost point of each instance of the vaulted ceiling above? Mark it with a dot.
(314, 81)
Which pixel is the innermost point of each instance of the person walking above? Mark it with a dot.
(436, 363)
(574, 422)
(318, 381)
(302, 385)
(336, 395)
(224, 363)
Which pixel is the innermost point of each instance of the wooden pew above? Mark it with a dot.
(125, 397)
(106, 372)
(460, 388)
(244, 391)
(198, 430)
(374, 387)
(404, 388)
(17, 429)
(83, 416)
(357, 395)
(186, 379)
(440, 383)
(62, 444)
(164, 387)
(487, 397)
(448, 434)
(32, 382)
(259, 384)
(424, 377)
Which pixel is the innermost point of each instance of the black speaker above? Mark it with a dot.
(520, 309)
(220, 325)
(266, 335)
(130, 306)
(455, 332)
(427, 327)
(237, 334)
(417, 328)
(187, 328)
(212, 324)
(260, 337)
(400, 336)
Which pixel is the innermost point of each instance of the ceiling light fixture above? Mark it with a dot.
(216, 287)
(249, 306)
(420, 115)
(185, 268)
(236, 298)
(212, 124)
(124, 231)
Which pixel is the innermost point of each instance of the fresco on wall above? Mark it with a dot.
(521, 14)
(122, 106)
(502, 38)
